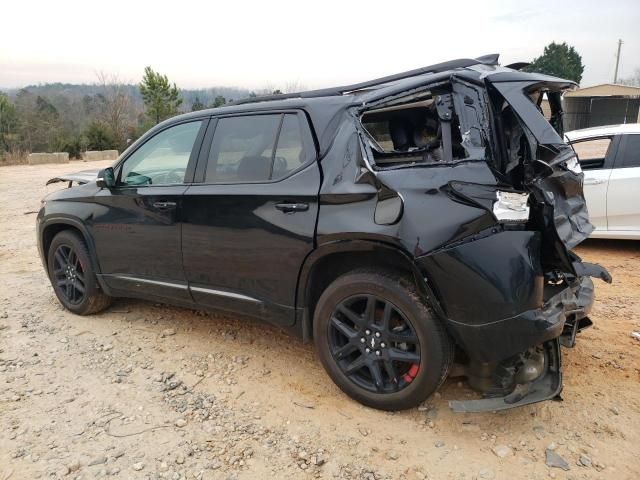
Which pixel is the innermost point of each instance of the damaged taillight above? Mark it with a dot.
(574, 165)
(511, 206)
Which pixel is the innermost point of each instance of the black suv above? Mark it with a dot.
(400, 223)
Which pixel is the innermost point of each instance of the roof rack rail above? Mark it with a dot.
(491, 59)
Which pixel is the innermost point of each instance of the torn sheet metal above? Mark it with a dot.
(82, 177)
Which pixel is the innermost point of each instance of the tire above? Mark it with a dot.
(392, 390)
(68, 250)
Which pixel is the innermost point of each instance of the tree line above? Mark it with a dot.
(111, 114)
(107, 115)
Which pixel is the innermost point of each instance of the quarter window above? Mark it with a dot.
(592, 153)
(290, 153)
(163, 159)
(631, 151)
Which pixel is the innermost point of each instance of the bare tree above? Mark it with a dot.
(294, 86)
(633, 80)
(267, 89)
(118, 110)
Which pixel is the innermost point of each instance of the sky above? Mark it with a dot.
(269, 44)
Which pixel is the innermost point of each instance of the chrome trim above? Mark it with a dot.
(144, 280)
(222, 293)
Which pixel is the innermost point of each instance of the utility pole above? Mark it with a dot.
(615, 75)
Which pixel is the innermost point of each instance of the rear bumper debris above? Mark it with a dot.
(546, 387)
(534, 375)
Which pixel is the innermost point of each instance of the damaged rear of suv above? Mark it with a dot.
(421, 226)
(495, 202)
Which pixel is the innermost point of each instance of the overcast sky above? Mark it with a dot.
(315, 43)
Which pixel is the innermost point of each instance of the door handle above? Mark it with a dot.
(595, 181)
(164, 204)
(292, 207)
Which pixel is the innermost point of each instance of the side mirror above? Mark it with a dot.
(106, 178)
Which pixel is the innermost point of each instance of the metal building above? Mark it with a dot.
(606, 104)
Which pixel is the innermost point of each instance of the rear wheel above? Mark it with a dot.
(379, 342)
(72, 276)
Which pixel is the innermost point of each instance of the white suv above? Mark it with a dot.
(610, 159)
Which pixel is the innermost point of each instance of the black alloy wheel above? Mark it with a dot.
(374, 344)
(69, 274)
(378, 340)
(72, 275)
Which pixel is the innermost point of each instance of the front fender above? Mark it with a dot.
(57, 222)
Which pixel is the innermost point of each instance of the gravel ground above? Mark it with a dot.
(149, 391)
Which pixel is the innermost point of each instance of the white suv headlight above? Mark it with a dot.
(511, 206)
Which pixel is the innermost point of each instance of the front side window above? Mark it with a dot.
(163, 159)
(592, 153)
(255, 148)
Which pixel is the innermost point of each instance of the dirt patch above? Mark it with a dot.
(149, 391)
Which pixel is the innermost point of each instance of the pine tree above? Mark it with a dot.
(218, 101)
(160, 98)
(197, 105)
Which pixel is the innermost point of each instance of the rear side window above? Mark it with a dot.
(630, 152)
(290, 152)
(592, 153)
(242, 149)
(255, 148)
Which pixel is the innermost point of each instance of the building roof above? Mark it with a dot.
(606, 90)
(628, 128)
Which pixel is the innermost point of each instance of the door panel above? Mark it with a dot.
(137, 224)
(241, 251)
(623, 197)
(137, 235)
(596, 159)
(596, 183)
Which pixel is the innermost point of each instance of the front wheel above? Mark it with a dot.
(72, 276)
(379, 342)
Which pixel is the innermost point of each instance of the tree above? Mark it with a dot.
(116, 107)
(559, 60)
(38, 126)
(7, 122)
(218, 101)
(99, 137)
(197, 105)
(160, 98)
(294, 86)
(633, 80)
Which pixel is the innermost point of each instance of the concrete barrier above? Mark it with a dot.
(100, 155)
(41, 158)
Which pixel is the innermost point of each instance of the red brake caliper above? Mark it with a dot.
(411, 374)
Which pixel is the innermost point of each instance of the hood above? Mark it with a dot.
(82, 177)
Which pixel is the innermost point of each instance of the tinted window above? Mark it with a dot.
(163, 159)
(631, 151)
(290, 153)
(242, 149)
(591, 153)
